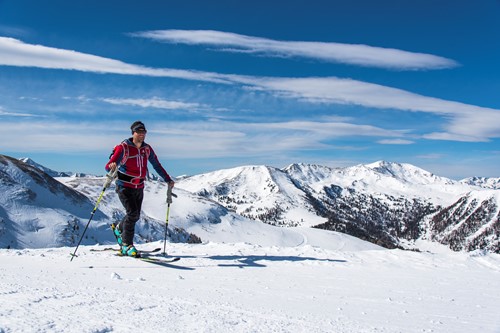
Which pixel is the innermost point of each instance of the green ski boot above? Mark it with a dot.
(117, 233)
(130, 250)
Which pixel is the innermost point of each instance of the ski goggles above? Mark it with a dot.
(139, 128)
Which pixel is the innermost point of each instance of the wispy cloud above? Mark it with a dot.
(221, 138)
(461, 122)
(58, 136)
(15, 114)
(14, 52)
(354, 54)
(155, 102)
(333, 129)
(190, 139)
(395, 142)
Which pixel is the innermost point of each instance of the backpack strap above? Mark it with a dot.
(125, 153)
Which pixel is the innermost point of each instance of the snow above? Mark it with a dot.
(37, 212)
(243, 287)
(246, 276)
(259, 187)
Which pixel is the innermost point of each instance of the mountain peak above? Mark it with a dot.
(485, 182)
(407, 173)
(48, 171)
(308, 172)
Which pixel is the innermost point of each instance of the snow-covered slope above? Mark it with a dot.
(248, 276)
(207, 220)
(258, 192)
(38, 211)
(470, 223)
(50, 172)
(240, 287)
(490, 183)
(385, 203)
(389, 204)
(390, 179)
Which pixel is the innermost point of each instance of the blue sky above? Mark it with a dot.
(228, 83)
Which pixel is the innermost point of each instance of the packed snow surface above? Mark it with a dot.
(243, 287)
(246, 276)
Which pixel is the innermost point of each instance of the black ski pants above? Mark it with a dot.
(131, 199)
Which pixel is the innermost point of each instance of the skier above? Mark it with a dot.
(131, 158)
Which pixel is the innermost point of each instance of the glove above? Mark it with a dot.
(110, 176)
(169, 192)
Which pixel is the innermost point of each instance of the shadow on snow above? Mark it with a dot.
(256, 261)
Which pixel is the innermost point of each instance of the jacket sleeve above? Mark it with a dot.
(153, 159)
(116, 156)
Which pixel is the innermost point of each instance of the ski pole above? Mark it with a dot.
(169, 201)
(109, 178)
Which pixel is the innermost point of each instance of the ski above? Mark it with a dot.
(151, 258)
(160, 260)
(158, 249)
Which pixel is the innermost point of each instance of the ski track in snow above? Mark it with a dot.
(240, 287)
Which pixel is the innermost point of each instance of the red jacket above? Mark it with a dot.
(133, 164)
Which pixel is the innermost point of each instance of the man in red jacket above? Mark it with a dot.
(131, 158)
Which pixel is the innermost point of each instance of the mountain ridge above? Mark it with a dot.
(382, 202)
(386, 203)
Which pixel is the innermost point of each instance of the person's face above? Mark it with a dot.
(140, 134)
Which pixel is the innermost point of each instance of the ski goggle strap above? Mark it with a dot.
(138, 126)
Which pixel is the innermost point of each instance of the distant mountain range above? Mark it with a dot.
(389, 204)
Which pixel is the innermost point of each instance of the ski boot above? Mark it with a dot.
(117, 233)
(130, 250)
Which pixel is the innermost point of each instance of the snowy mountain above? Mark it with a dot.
(38, 211)
(257, 192)
(491, 183)
(389, 204)
(472, 222)
(246, 276)
(48, 171)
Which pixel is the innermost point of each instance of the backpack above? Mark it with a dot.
(126, 152)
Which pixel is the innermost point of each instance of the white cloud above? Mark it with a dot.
(462, 122)
(355, 54)
(155, 102)
(446, 136)
(14, 52)
(62, 137)
(190, 139)
(15, 114)
(395, 142)
(228, 139)
(332, 129)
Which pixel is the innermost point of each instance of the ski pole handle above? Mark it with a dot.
(170, 194)
(110, 176)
